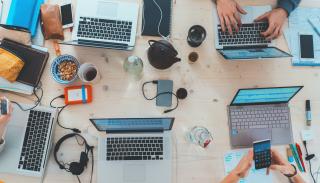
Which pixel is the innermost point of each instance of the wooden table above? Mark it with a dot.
(211, 82)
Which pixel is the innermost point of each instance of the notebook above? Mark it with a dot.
(152, 17)
(25, 14)
(35, 61)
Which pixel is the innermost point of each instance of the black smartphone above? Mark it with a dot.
(306, 47)
(163, 86)
(66, 15)
(4, 106)
(262, 154)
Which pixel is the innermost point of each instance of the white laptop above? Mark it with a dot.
(105, 24)
(247, 44)
(28, 141)
(135, 150)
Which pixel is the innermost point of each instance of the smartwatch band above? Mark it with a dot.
(292, 175)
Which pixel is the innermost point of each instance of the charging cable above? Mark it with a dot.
(159, 23)
(37, 102)
(181, 94)
(309, 157)
(61, 108)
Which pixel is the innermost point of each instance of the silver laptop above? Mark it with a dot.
(247, 44)
(105, 24)
(261, 113)
(28, 141)
(135, 150)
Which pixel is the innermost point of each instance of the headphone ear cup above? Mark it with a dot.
(84, 159)
(76, 168)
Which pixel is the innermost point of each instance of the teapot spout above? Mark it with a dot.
(177, 59)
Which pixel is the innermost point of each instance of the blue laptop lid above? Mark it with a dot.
(265, 95)
(252, 53)
(133, 124)
(25, 13)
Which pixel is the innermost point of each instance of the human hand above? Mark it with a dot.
(279, 163)
(228, 12)
(276, 19)
(244, 165)
(4, 119)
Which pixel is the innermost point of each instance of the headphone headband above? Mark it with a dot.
(62, 139)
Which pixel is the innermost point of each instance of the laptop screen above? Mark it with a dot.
(253, 53)
(265, 95)
(133, 124)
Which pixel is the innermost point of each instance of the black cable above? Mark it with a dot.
(91, 148)
(163, 93)
(309, 160)
(78, 179)
(37, 102)
(61, 108)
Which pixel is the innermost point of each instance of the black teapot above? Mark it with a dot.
(162, 54)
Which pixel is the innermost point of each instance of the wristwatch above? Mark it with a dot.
(292, 175)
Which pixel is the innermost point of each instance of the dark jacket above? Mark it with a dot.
(288, 5)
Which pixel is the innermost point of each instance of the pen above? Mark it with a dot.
(300, 156)
(308, 112)
(296, 157)
(290, 155)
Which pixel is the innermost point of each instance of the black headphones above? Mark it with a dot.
(76, 168)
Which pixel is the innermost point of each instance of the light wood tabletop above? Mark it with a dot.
(211, 82)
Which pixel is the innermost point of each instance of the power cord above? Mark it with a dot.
(37, 102)
(61, 108)
(309, 157)
(159, 23)
(152, 98)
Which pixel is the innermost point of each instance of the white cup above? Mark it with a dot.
(89, 73)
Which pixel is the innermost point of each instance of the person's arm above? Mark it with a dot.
(241, 170)
(4, 119)
(288, 5)
(283, 166)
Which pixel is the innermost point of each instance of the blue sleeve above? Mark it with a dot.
(288, 5)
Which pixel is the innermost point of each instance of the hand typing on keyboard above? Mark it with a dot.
(228, 12)
(230, 20)
(276, 19)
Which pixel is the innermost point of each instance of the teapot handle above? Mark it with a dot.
(150, 42)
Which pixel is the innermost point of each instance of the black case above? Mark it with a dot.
(34, 61)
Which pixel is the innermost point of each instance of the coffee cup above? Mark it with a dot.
(89, 73)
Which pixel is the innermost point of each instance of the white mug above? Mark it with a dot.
(89, 73)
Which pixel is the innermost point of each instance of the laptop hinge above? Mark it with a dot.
(270, 103)
(133, 131)
(245, 47)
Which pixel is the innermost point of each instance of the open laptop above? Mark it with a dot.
(261, 113)
(105, 24)
(135, 150)
(248, 43)
(28, 141)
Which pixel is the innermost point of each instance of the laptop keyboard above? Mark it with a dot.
(248, 34)
(34, 144)
(104, 29)
(134, 148)
(268, 117)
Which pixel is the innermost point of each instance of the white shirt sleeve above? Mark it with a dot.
(2, 144)
(2, 141)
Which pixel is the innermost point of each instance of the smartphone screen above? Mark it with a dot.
(164, 100)
(306, 46)
(262, 154)
(66, 14)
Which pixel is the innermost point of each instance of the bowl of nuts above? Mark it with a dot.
(64, 69)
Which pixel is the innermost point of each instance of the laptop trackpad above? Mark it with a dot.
(134, 173)
(247, 137)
